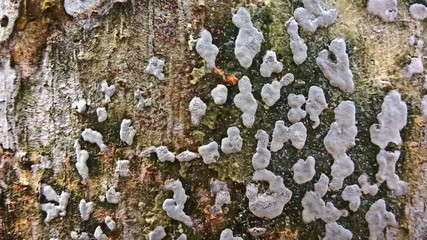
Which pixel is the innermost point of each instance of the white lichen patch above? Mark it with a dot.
(219, 94)
(418, 11)
(296, 133)
(386, 172)
(334, 231)
(341, 137)
(233, 142)
(75, 7)
(80, 105)
(102, 114)
(222, 195)
(304, 170)
(142, 102)
(52, 210)
(209, 152)
(9, 12)
(249, 39)
(155, 68)
(270, 93)
(262, 156)
(111, 224)
(127, 132)
(112, 196)
(365, 186)
(337, 71)
(175, 207)
(92, 136)
(186, 156)
(270, 64)
(415, 67)
(122, 168)
(99, 234)
(298, 46)
(392, 119)
(85, 209)
(108, 91)
(315, 104)
(384, 9)
(206, 49)
(312, 15)
(164, 155)
(227, 234)
(157, 234)
(378, 218)
(295, 114)
(352, 194)
(246, 102)
(269, 204)
(81, 163)
(197, 110)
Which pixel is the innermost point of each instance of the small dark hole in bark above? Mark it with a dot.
(4, 21)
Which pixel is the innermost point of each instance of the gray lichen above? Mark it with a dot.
(92, 136)
(249, 39)
(85, 209)
(127, 132)
(108, 91)
(262, 156)
(365, 187)
(337, 72)
(386, 172)
(9, 9)
(352, 194)
(384, 9)
(155, 68)
(102, 114)
(99, 234)
(157, 234)
(164, 155)
(75, 7)
(112, 196)
(222, 195)
(334, 231)
(174, 207)
(295, 114)
(415, 67)
(197, 110)
(418, 11)
(186, 156)
(81, 163)
(111, 224)
(122, 168)
(206, 49)
(315, 104)
(270, 64)
(378, 218)
(296, 133)
(304, 170)
(312, 15)
(298, 46)
(233, 142)
(219, 94)
(227, 234)
(209, 152)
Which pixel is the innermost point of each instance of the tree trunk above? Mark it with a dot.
(53, 60)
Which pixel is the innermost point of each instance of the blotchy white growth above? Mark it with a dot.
(108, 91)
(378, 218)
(270, 64)
(391, 120)
(75, 7)
(85, 209)
(127, 132)
(298, 46)
(365, 187)
(418, 11)
(219, 94)
(92, 136)
(315, 104)
(122, 168)
(341, 136)
(206, 49)
(80, 105)
(270, 93)
(45, 163)
(261, 158)
(222, 195)
(296, 133)
(227, 234)
(386, 172)
(312, 15)
(175, 207)
(142, 102)
(102, 114)
(352, 194)
(385, 9)
(186, 156)
(334, 231)
(99, 234)
(9, 10)
(163, 154)
(209, 152)
(75, 236)
(249, 39)
(315, 207)
(81, 164)
(424, 107)
(416, 66)
(271, 203)
(304, 170)
(337, 72)
(112, 196)
(246, 102)
(111, 224)
(295, 114)
(157, 234)
(182, 237)
(155, 67)
(233, 143)
(52, 210)
(197, 110)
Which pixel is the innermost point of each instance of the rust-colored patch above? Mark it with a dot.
(286, 234)
(228, 78)
(213, 223)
